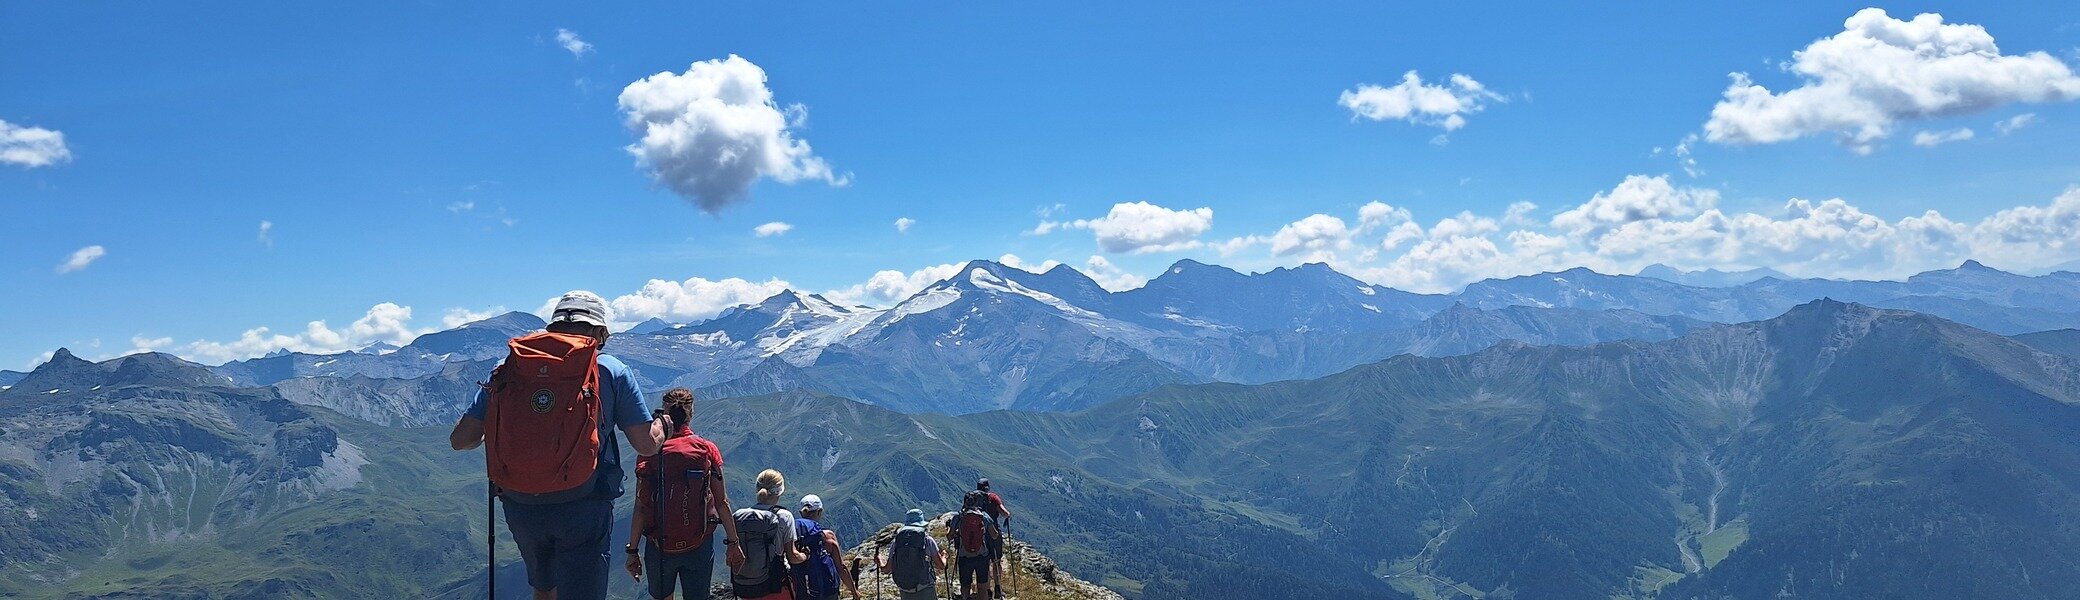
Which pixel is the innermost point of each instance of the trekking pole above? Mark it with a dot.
(491, 540)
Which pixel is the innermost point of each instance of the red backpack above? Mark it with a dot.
(676, 495)
(541, 419)
(971, 528)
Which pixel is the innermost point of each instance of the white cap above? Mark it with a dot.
(580, 306)
(811, 503)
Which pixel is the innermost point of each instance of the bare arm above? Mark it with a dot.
(718, 493)
(837, 552)
(468, 433)
(646, 438)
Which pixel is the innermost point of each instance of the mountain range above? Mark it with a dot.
(994, 336)
(1835, 451)
(1211, 435)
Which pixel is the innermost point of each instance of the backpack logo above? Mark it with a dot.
(542, 401)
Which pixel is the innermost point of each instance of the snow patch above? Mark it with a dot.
(1367, 290)
(830, 458)
(924, 430)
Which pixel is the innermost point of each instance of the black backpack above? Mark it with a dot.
(911, 562)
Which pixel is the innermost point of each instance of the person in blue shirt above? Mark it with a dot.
(565, 545)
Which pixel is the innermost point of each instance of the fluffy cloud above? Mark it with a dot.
(711, 132)
(889, 287)
(31, 147)
(1930, 139)
(2010, 124)
(385, 323)
(1644, 220)
(1879, 71)
(457, 317)
(689, 300)
(266, 236)
(1111, 277)
(1013, 261)
(1638, 198)
(1437, 105)
(1141, 228)
(772, 229)
(1315, 233)
(571, 42)
(81, 258)
(903, 224)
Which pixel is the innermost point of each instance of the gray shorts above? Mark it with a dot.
(930, 593)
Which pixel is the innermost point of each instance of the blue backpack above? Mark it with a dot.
(816, 579)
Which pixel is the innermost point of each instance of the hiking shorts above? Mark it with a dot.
(996, 547)
(564, 545)
(692, 571)
(975, 569)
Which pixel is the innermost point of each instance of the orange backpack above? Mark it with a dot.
(541, 419)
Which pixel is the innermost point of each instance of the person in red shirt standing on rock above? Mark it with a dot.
(994, 505)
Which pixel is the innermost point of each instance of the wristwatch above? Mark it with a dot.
(631, 548)
(728, 542)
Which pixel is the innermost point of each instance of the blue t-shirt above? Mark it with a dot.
(621, 405)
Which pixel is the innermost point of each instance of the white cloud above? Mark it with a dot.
(1644, 220)
(1315, 233)
(1929, 139)
(1437, 105)
(888, 287)
(2010, 124)
(267, 234)
(386, 322)
(903, 224)
(1111, 277)
(711, 132)
(690, 300)
(1683, 158)
(1044, 228)
(1637, 198)
(81, 258)
(1141, 228)
(772, 229)
(1013, 261)
(1374, 215)
(141, 343)
(457, 317)
(1238, 244)
(571, 42)
(31, 147)
(1518, 214)
(1879, 71)
(462, 206)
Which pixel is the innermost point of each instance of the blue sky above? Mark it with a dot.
(446, 156)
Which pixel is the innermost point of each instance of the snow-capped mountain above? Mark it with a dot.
(994, 336)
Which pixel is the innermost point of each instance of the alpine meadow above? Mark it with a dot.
(1505, 301)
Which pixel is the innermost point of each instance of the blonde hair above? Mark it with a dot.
(770, 486)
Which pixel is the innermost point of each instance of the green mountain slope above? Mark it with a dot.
(1837, 451)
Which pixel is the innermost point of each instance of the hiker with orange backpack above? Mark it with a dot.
(546, 419)
(973, 533)
(680, 499)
